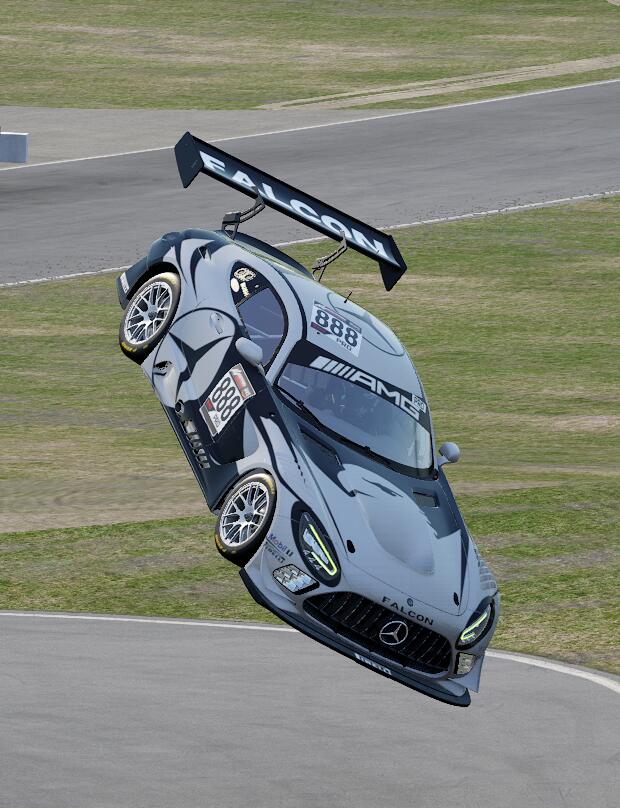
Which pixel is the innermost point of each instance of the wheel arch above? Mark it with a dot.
(236, 480)
(132, 279)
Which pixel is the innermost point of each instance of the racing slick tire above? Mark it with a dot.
(245, 517)
(148, 315)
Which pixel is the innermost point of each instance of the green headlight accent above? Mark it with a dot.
(320, 553)
(475, 629)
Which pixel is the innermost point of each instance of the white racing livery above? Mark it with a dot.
(308, 431)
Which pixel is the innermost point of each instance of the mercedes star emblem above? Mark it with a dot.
(394, 633)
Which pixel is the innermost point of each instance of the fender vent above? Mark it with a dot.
(195, 443)
(360, 620)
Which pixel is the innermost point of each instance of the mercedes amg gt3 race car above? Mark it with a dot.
(308, 431)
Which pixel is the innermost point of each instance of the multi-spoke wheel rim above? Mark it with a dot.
(244, 514)
(148, 313)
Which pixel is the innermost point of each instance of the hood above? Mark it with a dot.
(404, 546)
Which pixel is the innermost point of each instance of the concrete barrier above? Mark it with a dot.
(13, 147)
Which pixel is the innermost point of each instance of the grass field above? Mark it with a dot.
(513, 323)
(191, 54)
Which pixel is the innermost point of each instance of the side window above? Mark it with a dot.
(264, 319)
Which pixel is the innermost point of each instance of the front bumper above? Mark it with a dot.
(447, 691)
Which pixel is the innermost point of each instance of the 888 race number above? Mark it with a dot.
(228, 395)
(347, 334)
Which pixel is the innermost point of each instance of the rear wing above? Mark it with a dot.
(195, 156)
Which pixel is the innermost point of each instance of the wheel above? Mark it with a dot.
(148, 315)
(245, 517)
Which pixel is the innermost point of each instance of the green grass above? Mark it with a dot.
(191, 54)
(513, 323)
(160, 568)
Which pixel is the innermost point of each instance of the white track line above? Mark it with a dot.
(556, 667)
(162, 621)
(473, 215)
(324, 125)
(63, 277)
(437, 220)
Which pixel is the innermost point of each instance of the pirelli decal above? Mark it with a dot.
(411, 404)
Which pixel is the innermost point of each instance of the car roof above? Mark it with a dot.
(379, 353)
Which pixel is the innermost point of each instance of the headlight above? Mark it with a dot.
(317, 550)
(294, 579)
(477, 628)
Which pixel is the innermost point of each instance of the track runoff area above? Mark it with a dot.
(557, 667)
(545, 675)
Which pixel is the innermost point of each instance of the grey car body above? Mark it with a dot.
(328, 417)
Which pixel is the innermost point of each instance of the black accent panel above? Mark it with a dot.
(360, 620)
(324, 457)
(259, 246)
(193, 266)
(445, 487)
(145, 268)
(192, 356)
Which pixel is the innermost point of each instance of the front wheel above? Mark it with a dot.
(245, 517)
(149, 315)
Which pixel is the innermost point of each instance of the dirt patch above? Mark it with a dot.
(496, 487)
(98, 500)
(52, 331)
(139, 44)
(158, 563)
(420, 89)
(586, 423)
(516, 38)
(511, 570)
(549, 423)
(204, 589)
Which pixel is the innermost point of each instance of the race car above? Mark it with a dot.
(309, 433)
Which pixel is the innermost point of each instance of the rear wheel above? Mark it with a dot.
(148, 315)
(245, 517)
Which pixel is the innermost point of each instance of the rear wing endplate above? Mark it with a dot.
(195, 156)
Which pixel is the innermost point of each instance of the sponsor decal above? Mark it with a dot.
(334, 325)
(368, 243)
(124, 282)
(278, 556)
(412, 405)
(274, 542)
(244, 274)
(372, 664)
(411, 613)
(226, 398)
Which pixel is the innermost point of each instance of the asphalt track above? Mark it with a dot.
(98, 714)
(145, 714)
(92, 214)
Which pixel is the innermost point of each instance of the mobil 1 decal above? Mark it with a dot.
(337, 327)
(226, 398)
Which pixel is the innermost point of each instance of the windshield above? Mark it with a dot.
(360, 415)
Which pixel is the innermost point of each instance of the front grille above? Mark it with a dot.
(360, 620)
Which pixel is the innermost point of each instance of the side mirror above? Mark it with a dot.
(449, 452)
(250, 351)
